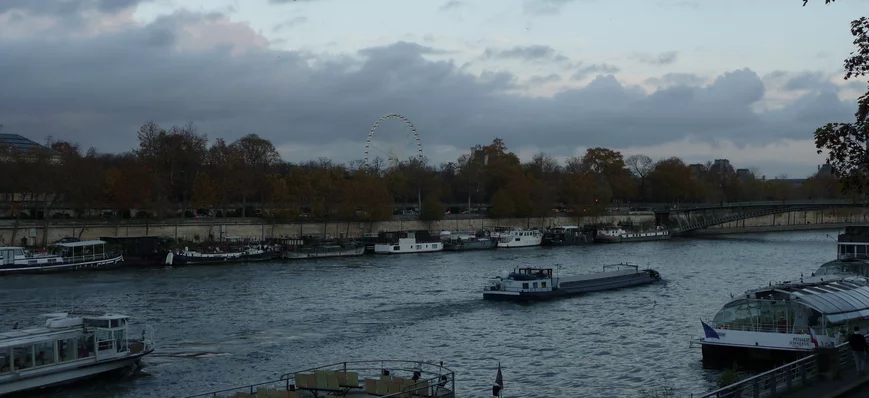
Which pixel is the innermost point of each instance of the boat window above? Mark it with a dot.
(535, 285)
(45, 353)
(5, 360)
(85, 346)
(66, 350)
(23, 357)
(543, 285)
(115, 323)
(97, 323)
(104, 338)
(120, 336)
(525, 285)
(396, 248)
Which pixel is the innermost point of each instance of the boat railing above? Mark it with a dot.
(426, 378)
(90, 257)
(619, 267)
(784, 378)
(762, 327)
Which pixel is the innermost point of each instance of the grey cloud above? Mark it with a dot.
(452, 4)
(306, 100)
(677, 79)
(527, 53)
(538, 80)
(585, 71)
(66, 7)
(664, 58)
(546, 7)
(295, 21)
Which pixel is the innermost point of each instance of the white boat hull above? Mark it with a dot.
(63, 374)
(525, 241)
(111, 262)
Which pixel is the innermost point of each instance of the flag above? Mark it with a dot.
(710, 333)
(499, 380)
(813, 336)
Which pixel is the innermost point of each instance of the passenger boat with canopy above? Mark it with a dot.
(72, 256)
(386, 378)
(70, 346)
(787, 320)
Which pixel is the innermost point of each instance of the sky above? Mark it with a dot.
(744, 80)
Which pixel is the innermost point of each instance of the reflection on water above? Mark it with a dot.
(220, 326)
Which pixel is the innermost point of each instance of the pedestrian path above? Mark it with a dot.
(846, 385)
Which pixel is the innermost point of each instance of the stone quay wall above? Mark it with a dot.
(188, 229)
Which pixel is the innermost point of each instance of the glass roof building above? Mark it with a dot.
(18, 143)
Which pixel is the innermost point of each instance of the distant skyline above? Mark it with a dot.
(745, 81)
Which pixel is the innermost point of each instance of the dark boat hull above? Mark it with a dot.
(311, 254)
(725, 356)
(478, 245)
(182, 260)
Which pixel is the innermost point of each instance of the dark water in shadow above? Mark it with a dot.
(221, 326)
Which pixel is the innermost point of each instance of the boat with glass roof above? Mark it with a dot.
(787, 320)
(70, 346)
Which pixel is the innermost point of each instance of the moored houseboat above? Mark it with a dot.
(566, 235)
(619, 235)
(68, 347)
(403, 242)
(526, 284)
(787, 320)
(316, 247)
(516, 237)
(479, 240)
(71, 256)
(188, 257)
(141, 251)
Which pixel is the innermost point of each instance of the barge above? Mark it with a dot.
(567, 235)
(527, 284)
(403, 242)
(619, 235)
(468, 241)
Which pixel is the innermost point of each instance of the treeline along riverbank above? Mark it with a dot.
(35, 232)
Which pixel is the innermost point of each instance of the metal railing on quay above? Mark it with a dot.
(785, 378)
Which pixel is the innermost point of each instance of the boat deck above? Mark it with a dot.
(599, 275)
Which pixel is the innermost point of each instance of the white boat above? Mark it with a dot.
(852, 253)
(619, 235)
(403, 242)
(85, 255)
(527, 284)
(69, 347)
(787, 320)
(515, 237)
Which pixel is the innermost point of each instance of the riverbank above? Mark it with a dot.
(198, 229)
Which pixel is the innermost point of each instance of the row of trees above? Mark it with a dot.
(175, 170)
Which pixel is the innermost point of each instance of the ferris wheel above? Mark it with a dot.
(394, 142)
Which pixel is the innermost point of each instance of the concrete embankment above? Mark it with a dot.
(34, 230)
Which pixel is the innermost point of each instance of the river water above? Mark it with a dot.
(228, 325)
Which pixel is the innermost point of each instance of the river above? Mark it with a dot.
(221, 326)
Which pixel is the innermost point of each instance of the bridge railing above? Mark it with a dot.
(788, 377)
(826, 202)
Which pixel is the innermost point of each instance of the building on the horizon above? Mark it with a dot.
(696, 169)
(744, 174)
(11, 143)
(825, 169)
(721, 166)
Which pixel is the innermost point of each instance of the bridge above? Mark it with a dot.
(699, 216)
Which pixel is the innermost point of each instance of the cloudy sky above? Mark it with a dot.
(745, 80)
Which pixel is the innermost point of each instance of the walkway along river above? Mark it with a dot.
(219, 326)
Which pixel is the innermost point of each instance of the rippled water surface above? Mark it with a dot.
(221, 326)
